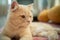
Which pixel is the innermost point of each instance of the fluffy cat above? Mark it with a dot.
(19, 24)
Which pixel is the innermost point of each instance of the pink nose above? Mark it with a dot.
(30, 19)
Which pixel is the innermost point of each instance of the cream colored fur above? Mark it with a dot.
(18, 22)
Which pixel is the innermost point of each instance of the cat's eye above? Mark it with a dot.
(22, 16)
(29, 16)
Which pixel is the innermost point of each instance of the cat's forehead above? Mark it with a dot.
(23, 9)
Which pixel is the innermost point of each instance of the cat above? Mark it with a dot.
(19, 25)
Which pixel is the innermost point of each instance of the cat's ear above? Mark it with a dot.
(14, 5)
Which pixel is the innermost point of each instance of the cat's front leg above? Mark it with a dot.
(3, 37)
(26, 35)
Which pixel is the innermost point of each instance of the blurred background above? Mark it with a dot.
(25, 2)
(39, 5)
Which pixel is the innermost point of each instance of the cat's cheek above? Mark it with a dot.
(25, 24)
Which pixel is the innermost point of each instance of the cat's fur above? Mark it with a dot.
(18, 21)
(19, 24)
(44, 30)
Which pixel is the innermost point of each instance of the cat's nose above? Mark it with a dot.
(28, 19)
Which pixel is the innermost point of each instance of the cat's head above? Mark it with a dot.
(20, 14)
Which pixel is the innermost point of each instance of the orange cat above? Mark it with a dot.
(17, 24)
